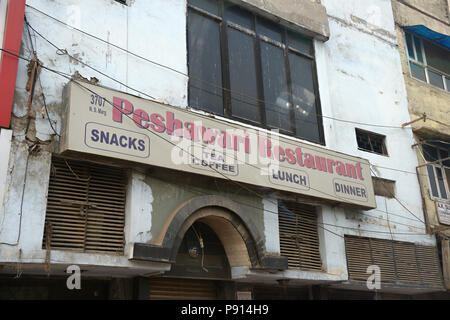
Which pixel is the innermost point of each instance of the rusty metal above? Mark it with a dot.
(434, 162)
(34, 69)
(424, 118)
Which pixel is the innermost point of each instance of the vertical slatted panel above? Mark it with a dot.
(299, 239)
(68, 225)
(405, 258)
(182, 289)
(85, 207)
(400, 262)
(106, 220)
(383, 256)
(358, 257)
(429, 269)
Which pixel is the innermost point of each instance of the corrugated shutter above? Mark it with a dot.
(359, 257)
(382, 255)
(299, 239)
(85, 207)
(405, 259)
(429, 268)
(400, 262)
(182, 289)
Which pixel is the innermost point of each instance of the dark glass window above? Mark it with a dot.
(241, 53)
(246, 67)
(369, 141)
(410, 46)
(207, 5)
(428, 61)
(435, 79)
(418, 45)
(437, 57)
(436, 153)
(277, 102)
(418, 72)
(205, 89)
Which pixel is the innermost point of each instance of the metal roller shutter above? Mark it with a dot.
(359, 257)
(299, 239)
(429, 269)
(85, 207)
(400, 262)
(182, 289)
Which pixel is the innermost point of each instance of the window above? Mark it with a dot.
(428, 62)
(383, 187)
(372, 142)
(85, 207)
(438, 173)
(299, 238)
(250, 69)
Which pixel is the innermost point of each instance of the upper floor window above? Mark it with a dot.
(248, 68)
(428, 62)
(439, 171)
(371, 142)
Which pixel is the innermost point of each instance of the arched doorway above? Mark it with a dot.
(200, 268)
(201, 255)
(213, 241)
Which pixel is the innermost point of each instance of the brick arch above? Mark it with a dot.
(242, 241)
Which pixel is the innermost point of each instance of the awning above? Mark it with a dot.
(436, 37)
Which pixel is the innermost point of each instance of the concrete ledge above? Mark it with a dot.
(274, 263)
(306, 16)
(147, 252)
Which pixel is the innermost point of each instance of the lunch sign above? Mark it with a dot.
(114, 124)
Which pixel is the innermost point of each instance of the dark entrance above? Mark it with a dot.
(201, 270)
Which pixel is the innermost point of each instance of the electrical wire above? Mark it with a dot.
(202, 246)
(39, 79)
(194, 78)
(203, 116)
(227, 178)
(399, 201)
(21, 205)
(67, 77)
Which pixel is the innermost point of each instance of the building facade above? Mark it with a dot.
(213, 149)
(424, 44)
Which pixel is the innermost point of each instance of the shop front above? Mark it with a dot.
(229, 208)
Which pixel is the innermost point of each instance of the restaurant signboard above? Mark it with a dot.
(114, 124)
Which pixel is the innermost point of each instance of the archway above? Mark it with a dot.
(243, 242)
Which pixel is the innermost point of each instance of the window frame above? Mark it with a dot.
(424, 64)
(369, 133)
(442, 167)
(224, 24)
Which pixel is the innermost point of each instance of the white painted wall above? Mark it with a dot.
(360, 79)
(155, 30)
(138, 219)
(5, 147)
(271, 230)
